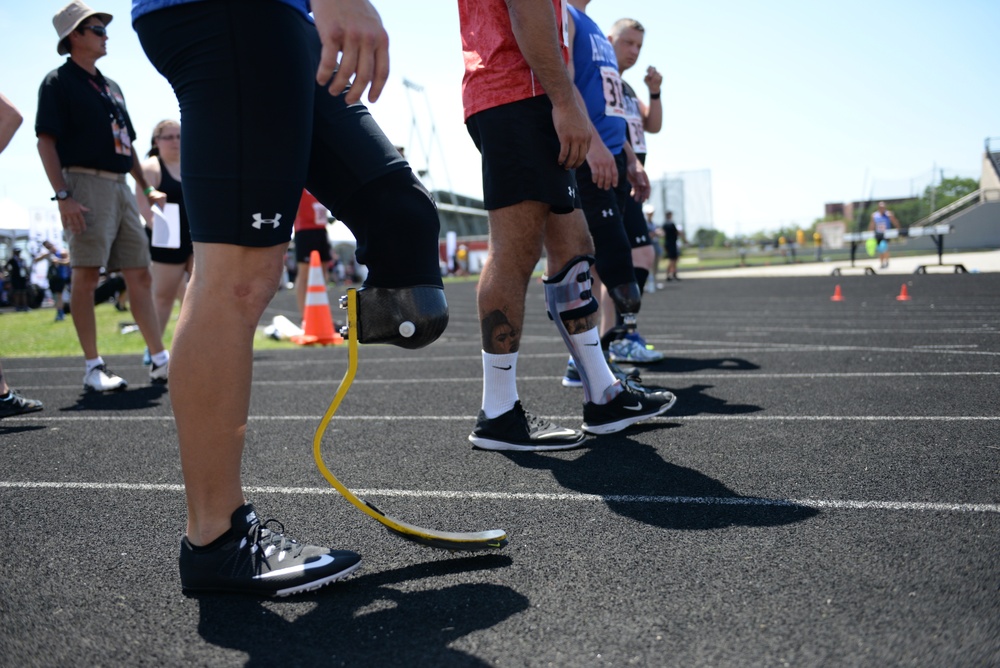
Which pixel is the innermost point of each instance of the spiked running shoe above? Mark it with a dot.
(629, 407)
(519, 430)
(258, 559)
(631, 352)
(14, 404)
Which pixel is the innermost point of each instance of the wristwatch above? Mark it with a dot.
(61, 195)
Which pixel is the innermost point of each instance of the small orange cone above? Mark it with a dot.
(904, 295)
(318, 324)
(837, 296)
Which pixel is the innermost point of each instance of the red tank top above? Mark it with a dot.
(495, 71)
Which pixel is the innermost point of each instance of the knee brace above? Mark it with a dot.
(406, 317)
(568, 294)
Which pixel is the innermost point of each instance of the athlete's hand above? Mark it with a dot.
(352, 30)
(573, 128)
(640, 182)
(71, 212)
(653, 80)
(602, 165)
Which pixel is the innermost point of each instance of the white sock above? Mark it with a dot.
(160, 358)
(96, 362)
(600, 383)
(499, 383)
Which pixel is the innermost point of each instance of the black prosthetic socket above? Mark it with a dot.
(406, 317)
(627, 299)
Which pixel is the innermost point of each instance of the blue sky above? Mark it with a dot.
(789, 104)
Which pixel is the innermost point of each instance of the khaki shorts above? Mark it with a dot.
(114, 237)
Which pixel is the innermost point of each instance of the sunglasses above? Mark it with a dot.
(100, 31)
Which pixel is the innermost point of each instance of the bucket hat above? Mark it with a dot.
(70, 17)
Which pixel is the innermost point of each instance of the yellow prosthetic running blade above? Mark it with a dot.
(445, 540)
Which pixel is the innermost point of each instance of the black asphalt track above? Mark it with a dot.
(826, 492)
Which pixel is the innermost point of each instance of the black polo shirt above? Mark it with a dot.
(82, 111)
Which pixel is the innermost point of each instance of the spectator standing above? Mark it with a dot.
(671, 235)
(17, 273)
(170, 267)
(58, 274)
(85, 140)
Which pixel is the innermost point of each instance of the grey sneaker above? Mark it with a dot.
(102, 379)
(14, 404)
(519, 430)
(632, 352)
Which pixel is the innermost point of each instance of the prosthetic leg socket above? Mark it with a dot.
(406, 317)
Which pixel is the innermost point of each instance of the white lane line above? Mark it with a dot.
(821, 504)
(565, 418)
(735, 374)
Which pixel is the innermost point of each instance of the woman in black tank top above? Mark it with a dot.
(171, 250)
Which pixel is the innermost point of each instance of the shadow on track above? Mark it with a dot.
(127, 400)
(637, 483)
(365, 621)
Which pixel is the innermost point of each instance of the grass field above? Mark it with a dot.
(35, 334)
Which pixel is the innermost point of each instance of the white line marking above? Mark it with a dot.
(563, 418)
(822, 504)
(735, 374)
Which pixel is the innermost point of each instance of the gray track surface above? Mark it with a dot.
(826, 492)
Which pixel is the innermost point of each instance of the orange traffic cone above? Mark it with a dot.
(837, 296)
(904, 295)
(318, 324)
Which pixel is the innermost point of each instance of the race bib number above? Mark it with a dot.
(637, 135)
(614, 97)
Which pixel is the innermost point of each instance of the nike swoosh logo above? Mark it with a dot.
(592, 344)
(503, 368)
(301, 568)
(637, 407)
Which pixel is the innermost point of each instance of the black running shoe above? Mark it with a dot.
(629, 407)
(255, 558)
(519, 430)
(14, 404)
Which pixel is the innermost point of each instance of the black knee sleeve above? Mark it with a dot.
(613, 254)
(410, 317)
(641, 276)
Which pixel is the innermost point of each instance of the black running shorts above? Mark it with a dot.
(257, 128)
(520, 152)
(307, 241)
(604, 207)
(635, 224)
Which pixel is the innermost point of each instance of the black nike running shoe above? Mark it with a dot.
(258, 559)
(629, 407)
(519, 430)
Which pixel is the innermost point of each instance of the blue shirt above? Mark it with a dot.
(141, 7)
(595, 73)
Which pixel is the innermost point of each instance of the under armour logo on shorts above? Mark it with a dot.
(259, 220)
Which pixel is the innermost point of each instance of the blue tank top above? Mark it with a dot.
(141, 7)
(596, 76)
(882, 221)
